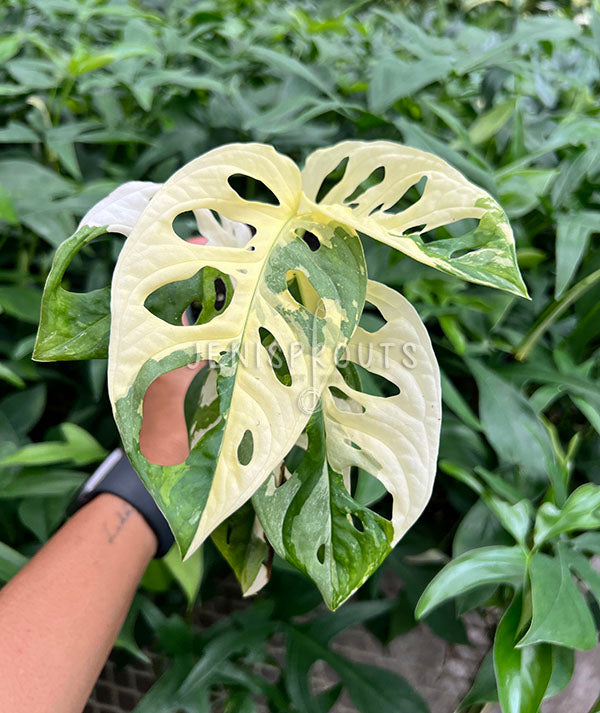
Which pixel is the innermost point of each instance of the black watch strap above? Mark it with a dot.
(116, 475)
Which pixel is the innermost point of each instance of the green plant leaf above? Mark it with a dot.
(308, 514)
(486, 565)
(584, 569)
(307, 521)
(485, 255)
(78, 447)
(187, 574)
(11, 562)
(484, 688)
(393, 78)
(581, 511)
(20, 302)
(510, 423)
(76, 325)
(24, 409)
(241, 541)
(572, 236)
(489, 123)
(560, 613)
(522, 674)
(563, 666)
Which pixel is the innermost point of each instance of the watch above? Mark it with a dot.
(116, 475)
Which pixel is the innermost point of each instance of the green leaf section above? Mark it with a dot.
(238, 542)
(523, 674)
(73, 325)
(560, 613)
(79, 447)
(486, 565)
(315, 524)
(580, 512)
(482, 255)
(11, 562)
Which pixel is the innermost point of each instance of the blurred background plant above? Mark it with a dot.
(94, 93)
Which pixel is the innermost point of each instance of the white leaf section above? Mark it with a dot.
(397, 436)
(121, 208)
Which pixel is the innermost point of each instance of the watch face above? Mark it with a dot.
(102, 471)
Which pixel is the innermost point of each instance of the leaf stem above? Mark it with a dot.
(553, 312)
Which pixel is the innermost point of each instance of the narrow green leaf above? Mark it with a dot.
(584, 569)
(7, 209)
(572, 236)
(10, 376)
(394, 78)
(455, 401)
(489, 123)
(486, 565)
(522, 675)
(79, 447)
(563, 666)
(553, 312)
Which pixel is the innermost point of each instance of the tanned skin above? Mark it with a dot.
(60, 615)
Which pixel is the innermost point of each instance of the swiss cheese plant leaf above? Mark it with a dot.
(76, 325)
(254, 404)
(372, 197)
(309, 516)
(272, 301)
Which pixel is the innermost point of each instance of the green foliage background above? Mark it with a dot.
(95, 93)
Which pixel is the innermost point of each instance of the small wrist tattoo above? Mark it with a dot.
(122, 516)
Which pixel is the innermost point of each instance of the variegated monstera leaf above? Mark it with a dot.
(282, 418)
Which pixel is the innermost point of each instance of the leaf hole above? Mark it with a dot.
(357, 523)
(245, 449)
(345, 403)
(409, 198)
(332, 179)
(321, 554)
(276, 354)
(416, 230)
(90, 267)
(370, 382)
(309, 238)
(376, 209)
(220, 293)
(303, 292)
(350, 443)
(185, 225)
(251, 189)
(371, 319)
(373, 179)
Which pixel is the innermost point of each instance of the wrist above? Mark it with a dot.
(116, 477)
(121, 525)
